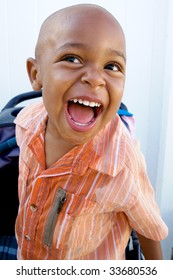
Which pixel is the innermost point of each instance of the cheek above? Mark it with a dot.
(115, 97)
(118, 86)
(62, 76)
(53, 103)
(116, 94)
(54, 89)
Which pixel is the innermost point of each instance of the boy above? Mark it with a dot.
(82, 184)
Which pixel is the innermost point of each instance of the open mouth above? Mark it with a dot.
(82, 114)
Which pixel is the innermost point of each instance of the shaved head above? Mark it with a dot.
(59, 20)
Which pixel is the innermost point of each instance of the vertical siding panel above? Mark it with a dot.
(165, 174)
(139, 37)
(21, 31)
(146, 32)
(4, 65)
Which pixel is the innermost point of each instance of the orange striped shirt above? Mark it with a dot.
(85, 205)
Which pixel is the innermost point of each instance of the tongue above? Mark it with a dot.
(80, 113)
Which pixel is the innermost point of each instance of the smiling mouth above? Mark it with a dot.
(82, 114)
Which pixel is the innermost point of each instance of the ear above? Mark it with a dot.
(33, 73)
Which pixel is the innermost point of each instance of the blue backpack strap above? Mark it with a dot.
(123, 111)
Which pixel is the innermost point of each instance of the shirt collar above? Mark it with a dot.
(110, 148)
(104, 153)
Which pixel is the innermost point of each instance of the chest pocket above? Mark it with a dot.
(69, 223)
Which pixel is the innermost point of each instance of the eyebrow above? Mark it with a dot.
(117, 53)
(81, 45)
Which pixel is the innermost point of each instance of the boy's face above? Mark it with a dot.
(82, 72)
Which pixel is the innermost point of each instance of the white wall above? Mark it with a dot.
(148, 92)
(164, 189)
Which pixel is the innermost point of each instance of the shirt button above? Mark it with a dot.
(33, 208)
(27, 237)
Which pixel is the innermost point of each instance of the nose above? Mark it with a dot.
(93, 77)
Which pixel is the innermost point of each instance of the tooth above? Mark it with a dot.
(92, 104)
(80, 101)
(81, 124)
(86, 103)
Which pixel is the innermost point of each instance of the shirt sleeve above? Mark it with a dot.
(144, 214)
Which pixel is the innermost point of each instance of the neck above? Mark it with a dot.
(55, 148)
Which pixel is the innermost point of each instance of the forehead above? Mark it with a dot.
(92, 27)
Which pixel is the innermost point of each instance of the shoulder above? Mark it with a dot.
(115, 149)
(133, 158)
(30, 120)
(29, 114)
